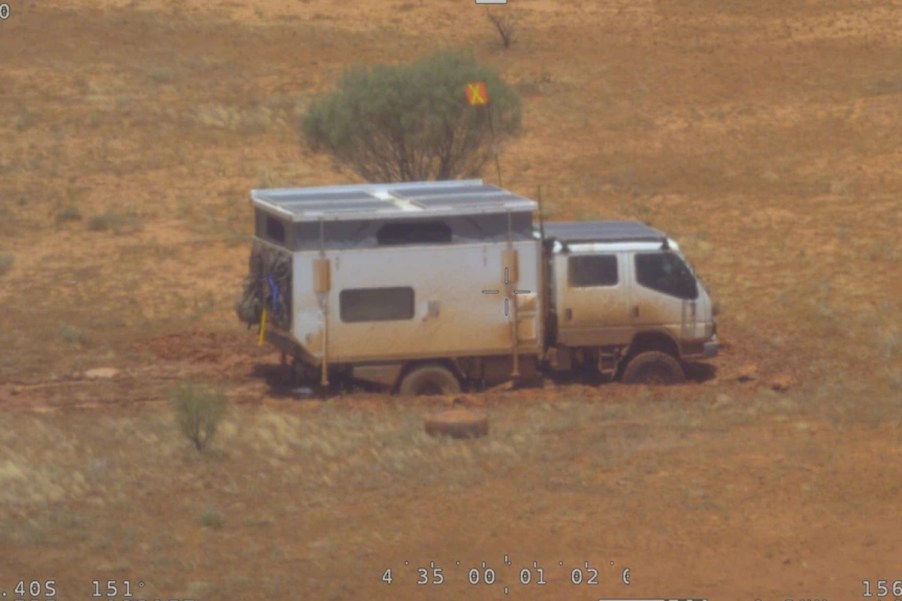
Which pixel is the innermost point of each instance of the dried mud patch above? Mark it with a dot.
(199, 346)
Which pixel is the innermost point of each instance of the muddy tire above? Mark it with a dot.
(458, 423)
(429, 379)
(653, 367)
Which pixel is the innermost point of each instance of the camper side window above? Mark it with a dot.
(592, 270)
(376, 304)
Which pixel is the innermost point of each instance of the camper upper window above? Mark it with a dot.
(275, 229)
(413, 232)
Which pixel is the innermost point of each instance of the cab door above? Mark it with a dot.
(664, 293)
(592, 299)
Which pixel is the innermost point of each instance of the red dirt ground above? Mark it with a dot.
(763, 135)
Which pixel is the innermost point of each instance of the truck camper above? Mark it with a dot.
(428, 287)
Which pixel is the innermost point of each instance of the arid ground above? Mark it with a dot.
(763, 134)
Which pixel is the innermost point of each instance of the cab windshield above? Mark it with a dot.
(666, 272)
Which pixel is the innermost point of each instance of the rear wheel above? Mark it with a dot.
(429, 379)
(653, 367)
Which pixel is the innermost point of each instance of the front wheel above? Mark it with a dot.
(429, 379)
(653, 367)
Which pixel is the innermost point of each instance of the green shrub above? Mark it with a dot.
(6, 262)
(412, 121)
(199, 409)
(212, 518)
(68, 213)
(118, 222)
(72, 334)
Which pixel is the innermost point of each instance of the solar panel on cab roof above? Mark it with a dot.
(603, 231)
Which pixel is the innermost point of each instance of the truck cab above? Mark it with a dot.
(624, 298)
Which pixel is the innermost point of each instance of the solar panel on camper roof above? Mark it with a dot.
(462, 201)
(416, 193)
(603, 231)
(300, 195)
(352, 195)
(381, 199)
(337, 206)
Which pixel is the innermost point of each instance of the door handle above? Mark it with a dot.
(635, 310)
(568, 314)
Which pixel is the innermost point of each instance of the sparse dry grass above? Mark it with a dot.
(6, 262)
(252, 120)
(285, 475)
(115, 221)
(323, 454)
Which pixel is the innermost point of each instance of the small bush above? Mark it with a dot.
(23, 120)
(119, 223)
(71, 334)
(68, 213)
(505, 24)
(6, 262)
(102, 222)
(212, 518)
(199, 409)
(887, 85)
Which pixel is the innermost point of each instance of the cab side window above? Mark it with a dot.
(666, 273)
(592, 270)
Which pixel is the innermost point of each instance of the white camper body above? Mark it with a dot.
(443, 304)
(386, 274)
(425, 286)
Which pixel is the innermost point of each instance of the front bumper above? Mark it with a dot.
(711, 347)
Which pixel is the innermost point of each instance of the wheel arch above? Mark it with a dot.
(653, 340)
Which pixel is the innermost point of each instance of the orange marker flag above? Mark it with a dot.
(477, 93)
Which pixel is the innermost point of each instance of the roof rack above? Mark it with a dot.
(603, 231)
